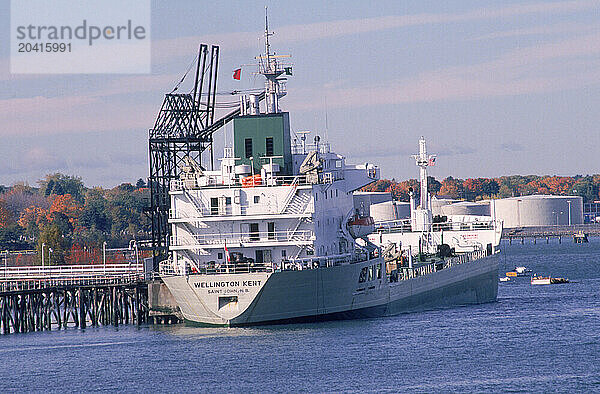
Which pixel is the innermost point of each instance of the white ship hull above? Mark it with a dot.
(327, 293)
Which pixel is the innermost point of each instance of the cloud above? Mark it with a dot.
(165, 50)
(456, 150)
(540, 30)
(555, 66)
(40, 158)
(511, 147)
(43, 115)
(400, 151)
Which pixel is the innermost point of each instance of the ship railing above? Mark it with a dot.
(244, 238)
(405, 273)
(404, 225)
(244, 210)
(169, 268)
(299, 149)
(322, 261)
(217, 181)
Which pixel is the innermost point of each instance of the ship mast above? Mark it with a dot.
(272, 70)
(423, 161)
(422, 216)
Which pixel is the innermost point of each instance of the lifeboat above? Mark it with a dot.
(361, 226)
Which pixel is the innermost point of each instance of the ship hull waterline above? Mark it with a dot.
(332, 293)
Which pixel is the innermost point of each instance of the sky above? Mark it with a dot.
(496, 87)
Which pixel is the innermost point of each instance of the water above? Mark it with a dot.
(535, 338)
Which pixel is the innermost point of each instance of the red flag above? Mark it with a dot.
(237, 74)
(226, 253)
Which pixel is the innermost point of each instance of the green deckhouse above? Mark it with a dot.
(261, 136)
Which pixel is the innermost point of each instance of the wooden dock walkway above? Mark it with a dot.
(46, 298)
(548, 232)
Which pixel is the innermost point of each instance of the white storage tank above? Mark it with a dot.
(438, 202)
(538, 210)
(466, 208)
(390, 210)
(363, 200)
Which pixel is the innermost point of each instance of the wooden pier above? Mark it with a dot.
(545, 233)
(47, 298)
(65, 306)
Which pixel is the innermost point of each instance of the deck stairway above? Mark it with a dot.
(298, 204)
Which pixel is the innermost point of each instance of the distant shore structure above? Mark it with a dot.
(539, 210)
(525, 211)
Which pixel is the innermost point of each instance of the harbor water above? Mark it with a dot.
(535, 338)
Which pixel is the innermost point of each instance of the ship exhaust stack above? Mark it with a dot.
(254, 108)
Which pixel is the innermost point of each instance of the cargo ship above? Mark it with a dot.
(273, 236)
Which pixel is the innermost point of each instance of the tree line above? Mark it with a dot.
(68, 217)
(473, 189)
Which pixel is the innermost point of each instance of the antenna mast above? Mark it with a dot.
(272, 70)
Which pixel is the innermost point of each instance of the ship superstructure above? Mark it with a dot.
(273, 235)
(422, 233)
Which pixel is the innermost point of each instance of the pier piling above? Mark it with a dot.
(73, 306)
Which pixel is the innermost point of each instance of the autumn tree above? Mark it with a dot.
(451, 187)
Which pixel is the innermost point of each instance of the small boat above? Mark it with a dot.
(519, 271)
(580, 237)
(505, 279)
(547, 280)
(540, 280)
(522, 271)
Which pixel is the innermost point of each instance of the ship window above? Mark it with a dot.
(256, 199)
(220, 255)
(363, 275)
(258, 256)
(227, 200)
(269, 146)
(228, 302)
(283, 253)
(254, 236)
(271, 230)
(316, 197)
(248, 146)
(214, 206)
(336, 192)
(379, 271)
(370, 273)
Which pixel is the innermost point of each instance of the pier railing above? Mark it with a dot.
(38, 277)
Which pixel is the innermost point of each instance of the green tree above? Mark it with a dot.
(95, 213)
(55, 245)
(60, 184)
(586, 188)
(433, 185)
